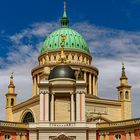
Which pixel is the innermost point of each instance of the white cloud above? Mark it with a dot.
(108, 47)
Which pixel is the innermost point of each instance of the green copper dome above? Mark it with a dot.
(74, 41)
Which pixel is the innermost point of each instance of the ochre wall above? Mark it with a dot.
(19, 113)
(62, 109)
(110, 112)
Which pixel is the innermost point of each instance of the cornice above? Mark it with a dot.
(26, 103)
(120, 125)
(66, 51)
(102, 101)
(89, 68)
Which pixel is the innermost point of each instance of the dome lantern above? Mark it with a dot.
(64, 20)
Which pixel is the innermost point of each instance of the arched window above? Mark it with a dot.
(12, 102)
(28, 118)
(126, 95)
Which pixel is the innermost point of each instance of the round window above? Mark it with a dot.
(7, 137)
(118, 137)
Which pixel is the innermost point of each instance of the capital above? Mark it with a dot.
(72, 93)
(42, 92)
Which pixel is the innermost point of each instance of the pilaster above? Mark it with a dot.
(18, 136)
(52, 107)
(72, 108)
(77, 106)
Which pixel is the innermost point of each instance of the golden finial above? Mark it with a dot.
(62, 57)
(11, 80)
(123, 71)
(11, 77)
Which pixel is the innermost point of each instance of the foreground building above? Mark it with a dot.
(65, 103)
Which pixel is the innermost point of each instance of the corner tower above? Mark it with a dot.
(10, 99)
(124, 95)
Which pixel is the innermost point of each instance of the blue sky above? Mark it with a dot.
(118, 14)
(111, 28)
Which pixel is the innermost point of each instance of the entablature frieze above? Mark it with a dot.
(44, 92)
(87, 68)
(80, 92)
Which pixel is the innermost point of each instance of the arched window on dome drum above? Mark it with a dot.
(28, 118)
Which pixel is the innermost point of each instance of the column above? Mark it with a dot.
(94, 86)
(33, 86)
(78, 106)
(85, 76)
(72, 108)
(23, 136)
(18, 136)
(96, 83)
(47, 107)
(127, 136)
(34, 79)
(132, 137)
(38, 80)
(41, 106)
(89, 83)
(101, 136)
(52, 107)
(106, 136)
(83, 106)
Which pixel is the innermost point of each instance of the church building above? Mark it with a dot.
(65, 104)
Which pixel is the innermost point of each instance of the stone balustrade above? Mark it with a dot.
(62, 124)
(13, 124)
(119, 123)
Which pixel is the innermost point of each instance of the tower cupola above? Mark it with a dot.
(123, 79)
(10, 99)
(11, 87)
(124, 95)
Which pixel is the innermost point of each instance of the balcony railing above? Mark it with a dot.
(13, 124)
(119, 123)
(62, 124)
